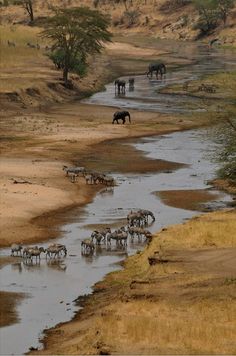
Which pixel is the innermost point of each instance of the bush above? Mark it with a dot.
(131, 17)
(208, 16)
(58, 58)
(226, 152)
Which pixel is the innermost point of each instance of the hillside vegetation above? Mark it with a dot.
(162, 18)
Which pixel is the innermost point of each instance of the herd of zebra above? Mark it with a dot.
(136, 228)
(30, 252)
(89, 176)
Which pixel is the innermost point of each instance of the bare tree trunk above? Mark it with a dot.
(28, 6)
(65, 74)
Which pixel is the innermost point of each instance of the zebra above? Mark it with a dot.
(100, 235)
(74, 170)
(139, 232)
(87, 246)
(96, 235)
(89, 178)
(146, 214)
(135, 219)
(98, 178)
(16, 249)
(122, 236)
(54, 250)
(30, 252)
(118, 235)
(109, 181)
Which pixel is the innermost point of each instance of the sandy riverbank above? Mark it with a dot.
(75, 133)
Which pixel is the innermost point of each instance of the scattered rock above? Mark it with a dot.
(32, 348)
(20, 181)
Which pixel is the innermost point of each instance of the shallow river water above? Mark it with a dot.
(146, 94)
(51, 287)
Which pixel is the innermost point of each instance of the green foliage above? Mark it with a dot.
(226, 153)
(78, 65)
(224, 7)
(208, 15)
(211, 12)
(76, 33)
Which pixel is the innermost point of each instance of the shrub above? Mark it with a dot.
(131, 17)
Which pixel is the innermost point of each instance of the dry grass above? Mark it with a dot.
(22, 67)
(20, 35)
(225, 87)
(199, 320)
(216, 229)
(163, 328)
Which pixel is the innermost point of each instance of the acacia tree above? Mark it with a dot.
(211, 12)
(28, 6)
(208, 15)
(75, 33)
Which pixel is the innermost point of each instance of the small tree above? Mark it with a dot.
(208, 15)
(132, 17)
(225, 7)
(226, 152)
(76, 33)
(28, 6)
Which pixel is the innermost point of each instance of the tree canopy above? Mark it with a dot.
(211, 12)
(75, 33)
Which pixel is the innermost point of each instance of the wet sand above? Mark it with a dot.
(188, 199)
(9, 302)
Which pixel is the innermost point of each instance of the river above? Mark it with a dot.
(51, 287)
